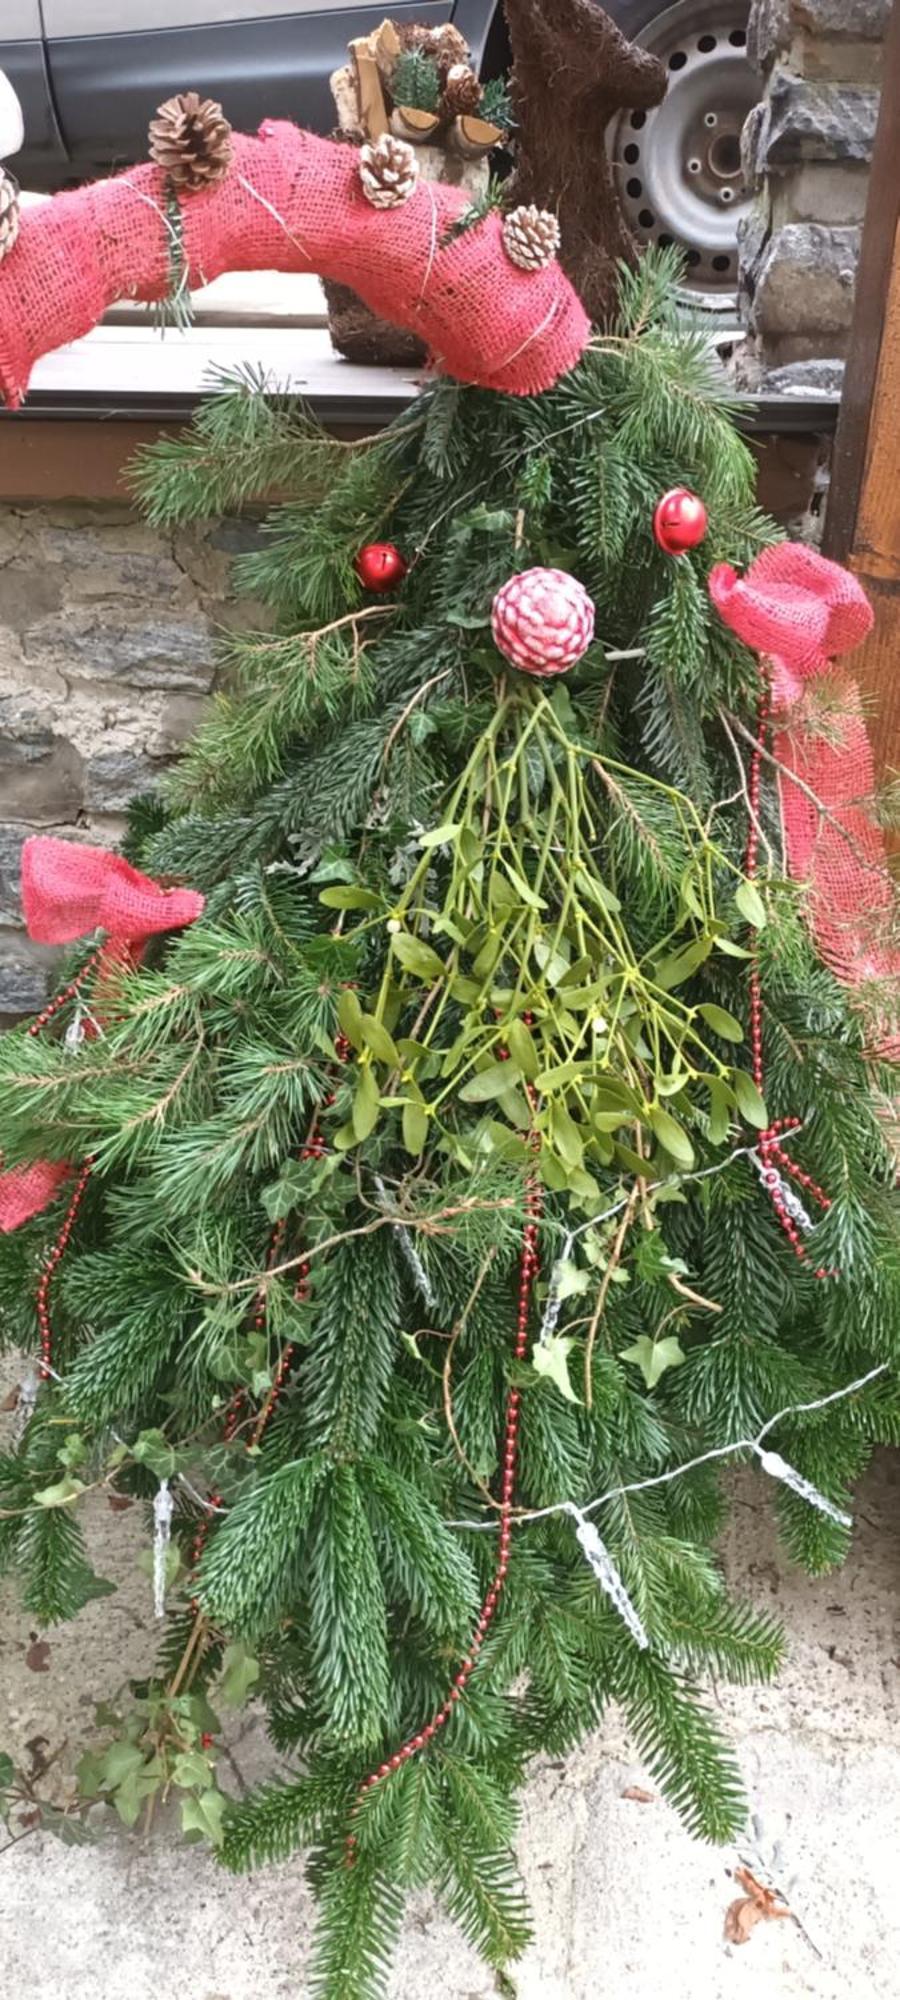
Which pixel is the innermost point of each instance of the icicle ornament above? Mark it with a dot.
(778, 1468)
(163, 1509)
(607, 1575)
(553, 1305)
(423, 1282)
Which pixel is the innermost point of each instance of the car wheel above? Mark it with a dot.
(678, 167)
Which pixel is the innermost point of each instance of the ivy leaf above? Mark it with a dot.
(569, 1281)
(550, 1358)
(74, 1451)
(191, 1768)
(750, 905)
(240, 1672)
(654, 1357)
(203, 1816)
(120, 1760)
(7, 1770)
(151, 1448)
(130, 1795)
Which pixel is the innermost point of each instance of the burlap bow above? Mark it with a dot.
(68, 891)
(800, 612)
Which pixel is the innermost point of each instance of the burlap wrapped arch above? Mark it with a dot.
(291, 202)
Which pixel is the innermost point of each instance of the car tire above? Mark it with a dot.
(679, 167)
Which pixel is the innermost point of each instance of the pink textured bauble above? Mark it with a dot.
(542, 621)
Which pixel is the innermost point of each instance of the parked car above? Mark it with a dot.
(88, 86)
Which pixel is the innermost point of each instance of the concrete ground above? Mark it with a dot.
(627, 1906)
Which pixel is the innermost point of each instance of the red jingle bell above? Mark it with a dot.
(679, 521)
(380, 566)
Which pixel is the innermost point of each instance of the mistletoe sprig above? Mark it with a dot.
(511, 985)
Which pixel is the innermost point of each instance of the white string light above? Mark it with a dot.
(554, 1300)
(707, 1458)
(594, 1548)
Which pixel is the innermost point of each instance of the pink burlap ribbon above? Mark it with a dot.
(799, 612)
(291, 202)
(66, 891)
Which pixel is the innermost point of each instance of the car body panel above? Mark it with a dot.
(68, 18)
(107, 86)
(20, 21)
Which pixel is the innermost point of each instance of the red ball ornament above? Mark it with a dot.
(680, 521)
(380, 566)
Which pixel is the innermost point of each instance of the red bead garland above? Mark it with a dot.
(68, 993)
(528, 1269)
(775, 1160)
(49, 1269)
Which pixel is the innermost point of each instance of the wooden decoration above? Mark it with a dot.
(574, 70)
(418, 126)
(473, 137)
(373, 116)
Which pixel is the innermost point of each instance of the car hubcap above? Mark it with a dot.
(678, 167)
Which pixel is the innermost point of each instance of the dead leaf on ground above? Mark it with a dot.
(638, 1793)
(11, 1401)
(119, 1503)
(38, 1657)
(759, 1905)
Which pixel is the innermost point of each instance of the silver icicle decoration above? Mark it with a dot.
(553, 1306)
(163, 1509)
(607, 1575)
(408, 1247)
(28, 1395)
(778, 1184)
(778, 1468)
(74, 1035)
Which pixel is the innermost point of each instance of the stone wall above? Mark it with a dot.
(807, 150)
(107, 652)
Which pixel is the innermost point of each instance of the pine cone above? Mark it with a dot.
(9, 213)
(389, 171)
(530, 237)
(190, 137)
(462, 92)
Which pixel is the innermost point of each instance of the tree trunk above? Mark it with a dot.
(573, 70)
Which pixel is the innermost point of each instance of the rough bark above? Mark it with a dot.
(573, 70)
